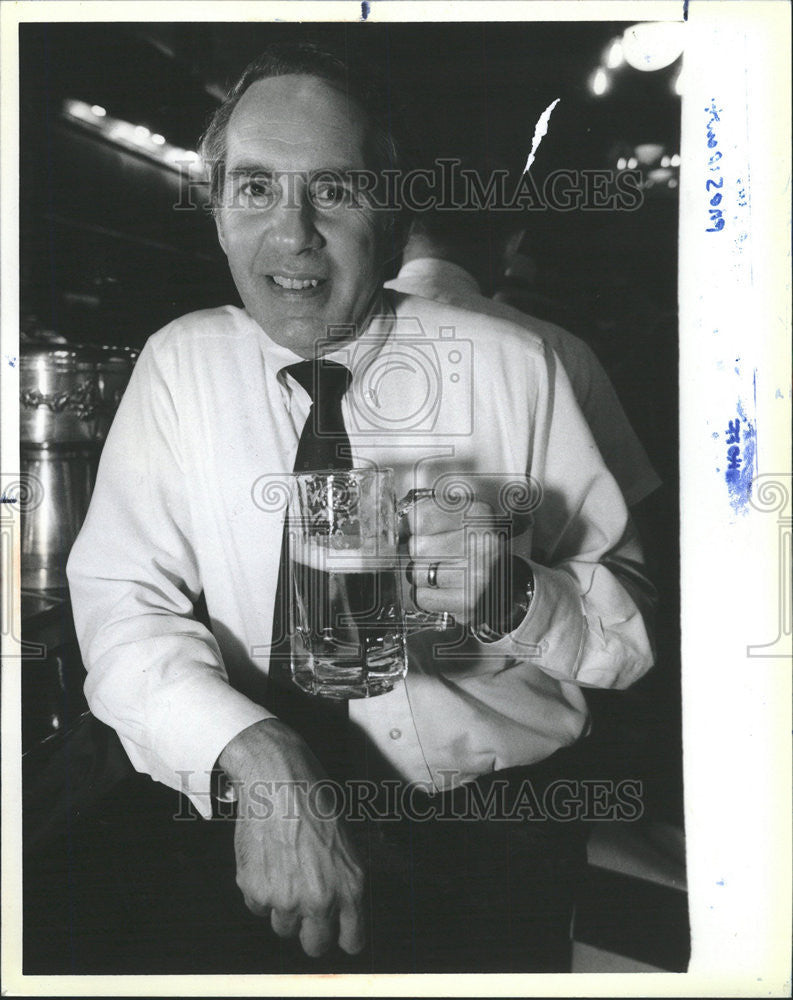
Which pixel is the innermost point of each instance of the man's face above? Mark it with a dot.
(303, 256)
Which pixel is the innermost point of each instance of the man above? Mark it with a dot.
(214, 409)
(450, 257)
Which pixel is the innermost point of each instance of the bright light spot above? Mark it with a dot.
(81, 110)
(158, 139)
(665, 161)
(653, 44)
(632, 163)
(98, 110)
(648, 152)
(672, 182)
(191, 155)
(622, 163)
(141, 133)
(599, 83)
(674, 161)
(122, 131)
(614, 56)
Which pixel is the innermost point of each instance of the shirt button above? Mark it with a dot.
(395, 734)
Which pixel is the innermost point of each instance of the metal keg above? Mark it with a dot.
(68, 396)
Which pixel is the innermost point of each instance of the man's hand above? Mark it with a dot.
(292, 864)
(457, 561)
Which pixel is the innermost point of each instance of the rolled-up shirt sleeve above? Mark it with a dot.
(155, 674)
(590, 618)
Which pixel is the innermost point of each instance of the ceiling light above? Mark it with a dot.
(81, 110)
(648, 152)
(158, 140)
(614, 55)
(599, 83)
(98, 110)
(674, 160)
(622, 163)
(653, 45)
(633, 163)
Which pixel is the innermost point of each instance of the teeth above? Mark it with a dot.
(295, 282)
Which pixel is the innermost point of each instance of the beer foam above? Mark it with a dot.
(368, 558)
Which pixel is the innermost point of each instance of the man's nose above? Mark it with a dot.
(293, 226)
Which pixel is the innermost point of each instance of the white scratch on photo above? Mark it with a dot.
(540, 131)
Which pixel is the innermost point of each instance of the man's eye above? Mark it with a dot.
(257, 192)
(328, 194)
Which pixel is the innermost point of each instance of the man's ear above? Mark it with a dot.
(221, 234)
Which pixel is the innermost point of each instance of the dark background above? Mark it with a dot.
(105, 258)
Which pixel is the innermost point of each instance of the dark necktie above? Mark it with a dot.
(323, 444)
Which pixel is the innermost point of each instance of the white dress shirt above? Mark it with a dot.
(187, 499)
(623, 453)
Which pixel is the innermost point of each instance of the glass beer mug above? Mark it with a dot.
(348, 627)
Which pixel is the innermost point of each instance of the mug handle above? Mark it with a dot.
(411, 498)
(419, 621)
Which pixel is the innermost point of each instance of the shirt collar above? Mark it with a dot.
(452, 277)
(377, 332)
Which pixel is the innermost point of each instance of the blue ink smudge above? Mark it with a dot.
(685, 10)
(739, 481)
(12, 362)
(364, 9)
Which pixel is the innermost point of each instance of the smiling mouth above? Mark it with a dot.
(295, 284)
